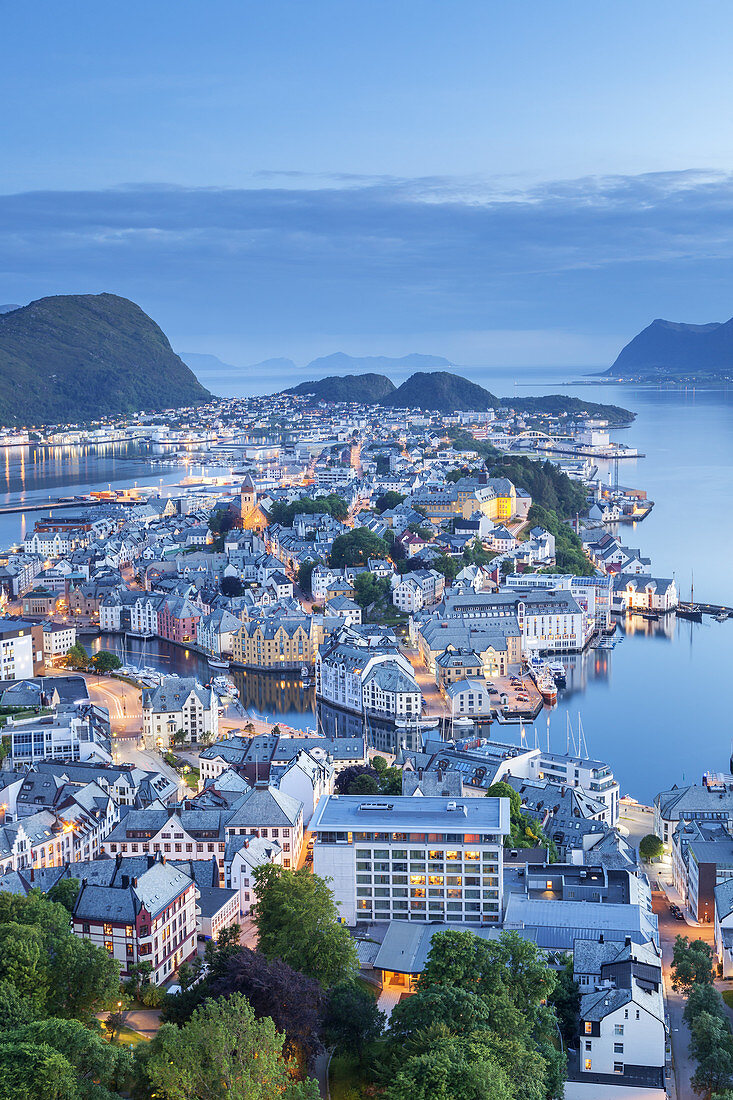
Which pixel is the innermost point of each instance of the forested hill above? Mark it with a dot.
(670, 350)
(363, 389)
(77, 357)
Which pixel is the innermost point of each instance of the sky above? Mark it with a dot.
(502, 184)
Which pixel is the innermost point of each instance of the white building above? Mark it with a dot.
(242, 856)
(409, 858)
(66, 735)
(622, 1028)
(58, 638)
(180, 703)
(273, 815)
(346, 677)
(307, 780)
(16, 650)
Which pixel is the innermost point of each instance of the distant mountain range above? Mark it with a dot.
(444, 392)
(671, 350)
(76, 357)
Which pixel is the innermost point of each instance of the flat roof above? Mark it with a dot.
(405, 813)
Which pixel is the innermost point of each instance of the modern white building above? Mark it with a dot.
(16, 650)
(356, 675)
(58, 638)
(406, 858)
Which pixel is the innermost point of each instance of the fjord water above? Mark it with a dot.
(657, 706)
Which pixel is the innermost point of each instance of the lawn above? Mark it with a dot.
(728, 997)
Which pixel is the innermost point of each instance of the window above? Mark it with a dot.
(587, 1064)
(588, 1044)
(618, 1067)
(85, 929)
(107, 929)
(588, 1027)
(618, 1029)
(128, 929)
(108, 946)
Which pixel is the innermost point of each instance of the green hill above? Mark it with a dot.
(77, 357)
(365, 389)
(442, 392)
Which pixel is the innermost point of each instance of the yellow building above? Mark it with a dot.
(274, 643)
(495, 498)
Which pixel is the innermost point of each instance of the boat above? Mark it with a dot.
(559, 675)
(305, 674)
(222, 685)
(218, 662)
(653, 616)
(691, 613)
(722, 616)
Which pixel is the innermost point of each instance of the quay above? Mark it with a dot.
(47, 505)
(717, 610)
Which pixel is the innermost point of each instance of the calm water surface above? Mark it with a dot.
(657, 706)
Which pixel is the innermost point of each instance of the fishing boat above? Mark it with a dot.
(222, 685)
(689, 611)
(218, 662)
(652, 616)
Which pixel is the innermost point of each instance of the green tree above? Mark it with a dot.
(364, 784)
(105, 661)
(388, 500)
(379, 764)
(222, 1053)
(369, 589)
(566, 1002)
(305, 571)
(356, 547)
(84, 979)
(35, 1073)
(77, 657)
(297, 921)
(451, 1072)
(74, 1052)
(231, 586)
(692, 963)
(351, 1019)
(651, 847)
(703, 998)
(65, 892)
(457, 1010)
(15, 1010)
(712, 1048)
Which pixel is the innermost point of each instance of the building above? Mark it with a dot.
(179, 703)
(17, 650)
(177, 834)
(639, 593)
(622, 1027)
(708, 802)
(277, 642)
(139, 910)
(242, 856)
(724, 926)
(58, 638)
(272, 815)
(256, 757)
(71, 733)
(347, 677)
(418, 859)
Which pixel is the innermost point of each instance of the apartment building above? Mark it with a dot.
(58, 638)
(174, 833)
(16, 650)
(179, 703)
(408, 858)
(707, 802)
(139, 910)
(273, 815)
(274, 643)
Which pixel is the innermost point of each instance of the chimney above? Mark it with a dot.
(125, 881)
(627, 941)
(33, 874)
(600, 938)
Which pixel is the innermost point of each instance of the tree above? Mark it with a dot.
(67, 1049)
(651, 847)
(345, 778)
(292, 1000)
(297, 921)
(692, 963)
(356, 547)
(352, 1020)
(14, 1009)
(305, 571)
(139, 975)
(77, 657)
(388, 500)
(178, 737)
(450, 1072)
(703, 998)
(457, 1010)
(65, 892)
(364, 784)
(370, 589)
(712, 1048)
(113, 1025)
(222, 1053)
(84, 979)
(104, 661)
(379, 764)
(566, 1002)
(231, 586)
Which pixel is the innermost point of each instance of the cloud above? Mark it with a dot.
(353, 258)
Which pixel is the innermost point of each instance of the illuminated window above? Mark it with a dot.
(128, 930)
(588, 1027)
(587, 1063)
(108, 929)
(108, 946)
(417, 880)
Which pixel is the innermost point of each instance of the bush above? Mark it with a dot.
(151, 996)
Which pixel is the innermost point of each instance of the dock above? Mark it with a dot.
(688, 609)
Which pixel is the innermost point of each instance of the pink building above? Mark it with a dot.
(177, 620)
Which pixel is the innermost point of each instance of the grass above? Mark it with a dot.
(345, 1080)
(127, 1036)
(191, 778)
(727, 996)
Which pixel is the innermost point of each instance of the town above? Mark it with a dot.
(429, 580)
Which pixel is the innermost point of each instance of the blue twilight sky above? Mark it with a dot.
(501, 183)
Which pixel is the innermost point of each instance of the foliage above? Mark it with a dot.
(366, 389)
(565, 1000)
(221, 521)
(383, 780)
(56, 971)
(356, 547)
(352, 1020)
(703, 997)
(77, 657)
(65, 891)
(291, 999)
(557, 404)
(450, 567)
(105, 661)
(297, 921)
(60, 1056)
(364, 784)
(450, 1071)
(73, 357)
(692, 963)
(459, 1010)
(15, 1010)
(651, 847)
(305, 570)
(442, 391)
(332, 505)
(231, 586)
(388, 500)
(524, 830)
(569, 554)
(370, 589)
(711, 1046)
(224, 1051)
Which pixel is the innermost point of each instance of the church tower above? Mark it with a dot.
(247, 496)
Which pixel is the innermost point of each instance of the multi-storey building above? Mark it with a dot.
(58, 638)
(139, 910)
(411, 858)
(549, 622)
(271, 814)
(179, 703)
(708, 802)
(175, 834)
(16, 650)
(68, 734)
(275, 643)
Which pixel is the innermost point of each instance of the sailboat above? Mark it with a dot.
(692, 613)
